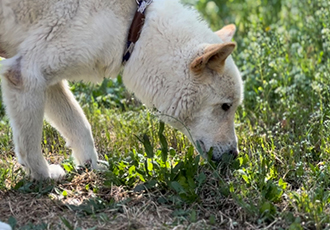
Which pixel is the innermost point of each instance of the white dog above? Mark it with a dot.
(178, 66)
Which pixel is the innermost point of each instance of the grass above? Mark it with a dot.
(157, 181)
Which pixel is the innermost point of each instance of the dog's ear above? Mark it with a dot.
(213, 57)
(227, 32)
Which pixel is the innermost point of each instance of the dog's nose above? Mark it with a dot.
(234, 153)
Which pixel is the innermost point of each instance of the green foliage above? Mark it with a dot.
(109, 94)
(70, 226)
(158, 167)
(283, 54)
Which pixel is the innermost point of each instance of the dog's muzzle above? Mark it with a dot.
(217, 151)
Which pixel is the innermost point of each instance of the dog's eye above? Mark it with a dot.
(226, 106)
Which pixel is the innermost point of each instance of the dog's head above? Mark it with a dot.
(193, 83)
(207, 102)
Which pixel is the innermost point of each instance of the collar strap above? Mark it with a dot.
(136, 27)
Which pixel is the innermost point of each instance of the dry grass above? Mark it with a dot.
(125, 208)
(137, 213)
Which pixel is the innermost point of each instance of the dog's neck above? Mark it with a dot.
(169, 41)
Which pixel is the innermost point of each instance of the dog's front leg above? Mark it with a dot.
(24, 97)
(65, 114)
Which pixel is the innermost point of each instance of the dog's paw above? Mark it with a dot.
(4, 226)
(99, 165)
(102, 165)
(56, 172)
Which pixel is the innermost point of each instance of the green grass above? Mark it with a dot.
(155, 178)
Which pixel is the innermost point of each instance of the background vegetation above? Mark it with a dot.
(157, 181)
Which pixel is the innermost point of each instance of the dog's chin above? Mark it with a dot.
(215, 152)
(230, 155)
(205, 152)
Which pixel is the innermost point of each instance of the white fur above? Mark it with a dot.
(49, 42)
(4, 226)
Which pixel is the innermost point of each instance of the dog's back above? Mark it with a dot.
(44, 20)
(16, 19)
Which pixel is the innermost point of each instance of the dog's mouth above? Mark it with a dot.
(206, 153)
(214, 153)
(201, 146)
